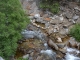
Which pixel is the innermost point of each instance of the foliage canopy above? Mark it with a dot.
(12, 21)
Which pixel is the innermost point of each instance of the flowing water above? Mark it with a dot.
(72, 54)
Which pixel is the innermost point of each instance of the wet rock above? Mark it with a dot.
(51, 55)
(52, 45)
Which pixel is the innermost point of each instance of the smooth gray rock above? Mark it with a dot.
(68, 15)
(75, 17)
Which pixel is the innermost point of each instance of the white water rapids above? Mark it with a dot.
(72, 54)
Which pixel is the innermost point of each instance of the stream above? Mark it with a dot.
(72, 54)
(47, 36)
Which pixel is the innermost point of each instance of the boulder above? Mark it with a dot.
(78, 46)
(72, 42)
(75, 17)
(60, 45)
(52, 45)
(68, 15)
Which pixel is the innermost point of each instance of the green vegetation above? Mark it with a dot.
(51, 5)
(12, 21)
(22, 58)
(75, 32)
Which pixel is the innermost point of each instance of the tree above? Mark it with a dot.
(12, 21)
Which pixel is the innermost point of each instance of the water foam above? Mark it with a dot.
(71, 54)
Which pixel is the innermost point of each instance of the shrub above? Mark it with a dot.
(12, 21)
(52, 6)
(75, 32)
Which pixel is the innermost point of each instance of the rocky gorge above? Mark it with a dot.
(47, 36)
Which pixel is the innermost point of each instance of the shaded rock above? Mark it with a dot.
(52, 44)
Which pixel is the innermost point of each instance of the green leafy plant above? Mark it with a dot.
(75, 32)
(20, 58)
(12, 20)
(51, 5)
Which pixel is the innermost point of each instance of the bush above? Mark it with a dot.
(75, 32)
(20, 58)
(12, 21)
(53, 6)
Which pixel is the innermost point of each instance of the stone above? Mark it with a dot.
(63, 50)
(48, 54)
(28, 34)
(60, 45)
(72, 42)
(75, 17)
(77, 8)
(62, 32)
(78, 46)
(26, 56)
(59, 40)
(52, 44)
(47, 19)
(68, 15)
(37, 16)
(56, 28)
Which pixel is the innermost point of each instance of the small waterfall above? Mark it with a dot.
(72, 54)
